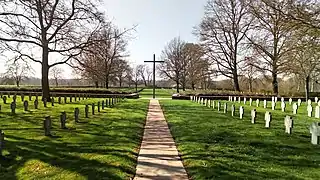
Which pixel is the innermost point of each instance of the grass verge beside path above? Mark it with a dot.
(215, 145)
(103, 146)
(160, 93)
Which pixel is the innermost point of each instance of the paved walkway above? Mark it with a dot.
(158, 157)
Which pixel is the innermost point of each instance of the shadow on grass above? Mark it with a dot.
(215, 145)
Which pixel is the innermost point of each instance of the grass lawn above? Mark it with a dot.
(160, 93)
(214, 145)
(103, 146)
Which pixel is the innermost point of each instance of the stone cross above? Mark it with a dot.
(275, 99)
(191, 98)
(299, 102)
(288, 123)
(250, 101)
(318, 103)
(234, 99)
(239, 99)
(86, 111)
(59, 99)
(283, 106)
(273, 105)
(35, 103)
(282, 99)
(253, 116)
(309, 102)
(315, 133)
(309, 109)
(13, 107)
(205, 102)
(98, 106)
(294, 108)
(30, 97)
(209, 103)
(76, 115)
(201, 101)
(290, 101)
(218, 105)
(257, 102)
(213, 105)
(4, 98)
(225, 109)
(25, 105)
(92, 106)
(102, 104)
(233, 109)
(265, 104)
(317, 112)
(45, 102)
(52, 101)
(1, 142)
(63, 118)
(244, 100)
(22, 97)
(268, 118)
(47, 126)
(241, 111)
(272, 98)
(316, 99)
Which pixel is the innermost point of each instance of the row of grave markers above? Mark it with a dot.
(47, 123)
(288, 121)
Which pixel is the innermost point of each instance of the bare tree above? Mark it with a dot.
(56, 74)
(142, 73)
(173, 58)
(17, 71)
(222, 31)
(60, 28)
(269, 38)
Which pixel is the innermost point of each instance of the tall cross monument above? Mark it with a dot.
(154, 73)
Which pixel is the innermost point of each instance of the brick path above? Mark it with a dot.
(158, 157)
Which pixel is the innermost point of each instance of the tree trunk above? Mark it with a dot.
(96, 83)
(250, 85)
(107, 82)
(275, 83)
(120, 82)
(45, 74)
(136, 86)
(192, 86)
(236, 82)
(18, 83)
(307, 80)
(56, 82)
(177, 84)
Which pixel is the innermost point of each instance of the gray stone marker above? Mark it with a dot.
(241, 111)
(294, 108)
(92, 107)
(288, 123)
(219, 105)
(253, 116)
(59, 100)
(13, 107)
(265, 104)
(63, 118)
(257, 102)
(290, 101)
(44, 102)
(315, 133)
(317, 112)
(268, 118)
(102, 104)
(86, 111)
(1, 142)
(233, 109)
(299, 102)
(225, 109)
(283, 106)
(4, 98)
(25, 105)
(98, 106)
(250, 101)
(52, 101)
(309, 110)
(47, 126)
(35, 103)
(22, 97)
(76, 115)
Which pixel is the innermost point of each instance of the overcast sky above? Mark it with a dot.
(158, 22)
